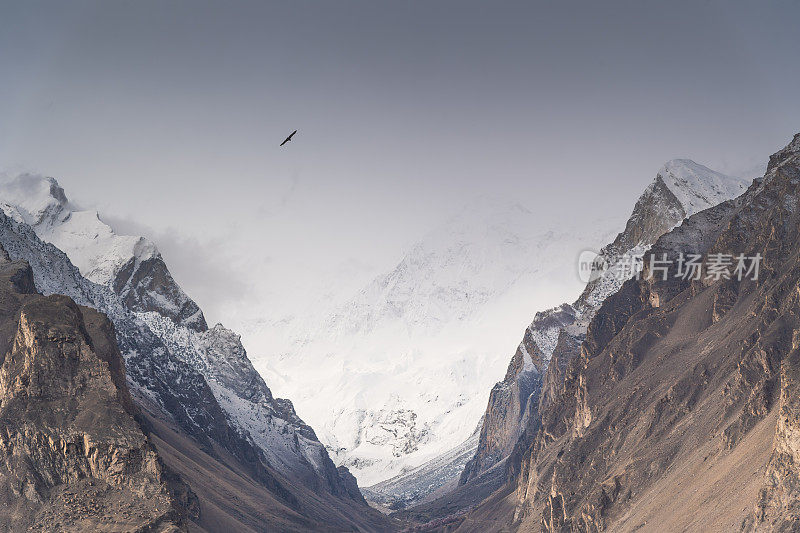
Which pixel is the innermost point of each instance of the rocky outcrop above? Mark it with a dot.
(511, 401)
(778, 505)
(73, 455)
(147, 285)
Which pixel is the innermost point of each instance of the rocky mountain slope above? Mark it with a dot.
(73, 453)
(196, 383)
(680, 189)
(395, 377)
(709, 364)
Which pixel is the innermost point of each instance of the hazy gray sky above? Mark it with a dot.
(168, 115)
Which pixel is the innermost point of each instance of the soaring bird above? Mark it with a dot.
(289, 138)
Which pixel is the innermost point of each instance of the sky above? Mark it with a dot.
(166, 117)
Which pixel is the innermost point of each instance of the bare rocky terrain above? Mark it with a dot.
(678, 411)
(657, 404)
(680, 189)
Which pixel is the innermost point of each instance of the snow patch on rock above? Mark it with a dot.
(698, 187)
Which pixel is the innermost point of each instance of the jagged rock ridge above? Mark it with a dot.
(679, 411)
(681, 188)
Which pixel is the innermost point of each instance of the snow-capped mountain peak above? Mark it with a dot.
(32, 199)
(92, 245)
(698, 187)
(129, 265)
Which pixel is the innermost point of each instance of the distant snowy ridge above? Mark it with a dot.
(397, 375)
(91, 244)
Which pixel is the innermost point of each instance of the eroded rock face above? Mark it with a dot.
(778, 506)
(509, 405)
(73, 456)
(147, 285)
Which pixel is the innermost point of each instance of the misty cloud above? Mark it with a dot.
(201, 268)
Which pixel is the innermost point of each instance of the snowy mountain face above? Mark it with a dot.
(697, 187)
(131, 266)
(425, 482)
(681, 189)
(397, 375)
(444, 277)
(201, 378)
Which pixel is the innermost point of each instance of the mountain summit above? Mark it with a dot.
(131, 266)
(697, 187)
